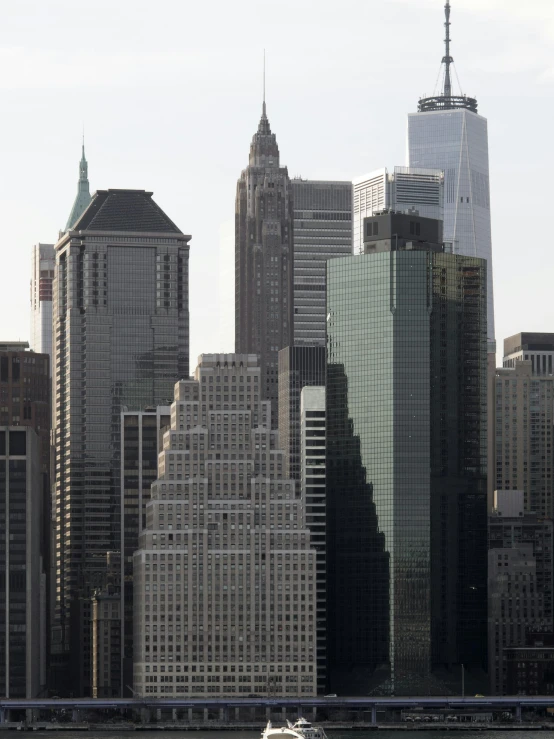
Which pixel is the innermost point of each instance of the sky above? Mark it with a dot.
(169, 94)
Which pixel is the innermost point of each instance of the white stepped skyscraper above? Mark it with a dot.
(447, 133)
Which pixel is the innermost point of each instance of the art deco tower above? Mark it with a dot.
(447, 133)
(264, 258)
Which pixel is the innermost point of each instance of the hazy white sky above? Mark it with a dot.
(170, 95)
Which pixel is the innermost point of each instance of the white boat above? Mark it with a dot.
(301, 729)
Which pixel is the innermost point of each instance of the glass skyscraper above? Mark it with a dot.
(406, 463)
(121, 340)
(447, 133)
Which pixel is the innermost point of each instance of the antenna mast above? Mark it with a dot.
(264, 85)
(447, 60)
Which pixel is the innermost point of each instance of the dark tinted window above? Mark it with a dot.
(2, 442)
(18, 443)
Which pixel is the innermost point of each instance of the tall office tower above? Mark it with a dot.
(43, 265)
(225, 576)
(23, 591)
(537, 348)
(141, 442)
(82, 199)
(322, 231)
(312, 415)
(404, 189)
(121, 339)
(447, 133)
(406, 463)
(264, 258)
(299, 367)
(524, 435)
(520, 571)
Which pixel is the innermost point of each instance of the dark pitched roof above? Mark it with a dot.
(124, 210)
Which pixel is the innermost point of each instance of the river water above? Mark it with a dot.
(420, 734)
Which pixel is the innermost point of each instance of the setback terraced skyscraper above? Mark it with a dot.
(121, 340)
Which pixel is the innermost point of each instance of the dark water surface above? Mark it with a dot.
(339, 734)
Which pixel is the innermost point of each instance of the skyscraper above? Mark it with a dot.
(523, 424)
(312, 438)
(404, 189)
(225, 575)
(264, 258)
(406, 462)
(23, 591)
(141, 442)
(322, 231)
(448, 134)
(299, 366)
(520, 571)
(538, 348)
(121, 325)
(82, 198)
(42, 277)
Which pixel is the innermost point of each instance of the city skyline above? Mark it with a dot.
(311, 135)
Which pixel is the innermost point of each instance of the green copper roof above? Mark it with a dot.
(83, 194)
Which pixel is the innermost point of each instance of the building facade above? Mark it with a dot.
(43, 263)
(520, 587)
(224, 576)
(299, 367)
(141, 442)
(524, 435)
(312, 434)
(121, 325)
(537, 348)
(264, 258)
(448, 134)
(530, 669)
(106, 644)
(406, 468)
(404, 189)
(22, 579)
(322, 231)
(83, 198)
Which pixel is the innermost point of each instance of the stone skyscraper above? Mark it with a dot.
(264, 258)
(82, 198)
(42, 277)
(121, 340)
(447, 133)
(224, 574)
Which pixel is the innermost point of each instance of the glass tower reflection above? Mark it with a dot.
(406, 470)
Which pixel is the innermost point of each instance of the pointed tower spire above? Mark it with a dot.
(447, 60)
(446, 100)
(264, 114)
(83, 191)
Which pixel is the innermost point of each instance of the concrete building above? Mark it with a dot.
(141, 442)
(312, 423)
(121, 325)
(82, 199)
(224, 576)
(322, 231)
(530, 669)
(524, 435)
(22, 579)
(43, 264)
(264, 258)
(406, 464)
(520, 581)
(537, 348)
(106, 644)
(299, 367)
(448, 134)
(404, 189)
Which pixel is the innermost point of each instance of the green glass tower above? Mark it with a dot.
(406, 462)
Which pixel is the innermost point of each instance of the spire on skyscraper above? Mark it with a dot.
(263, 149)
(447, 101)
(83, 198)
